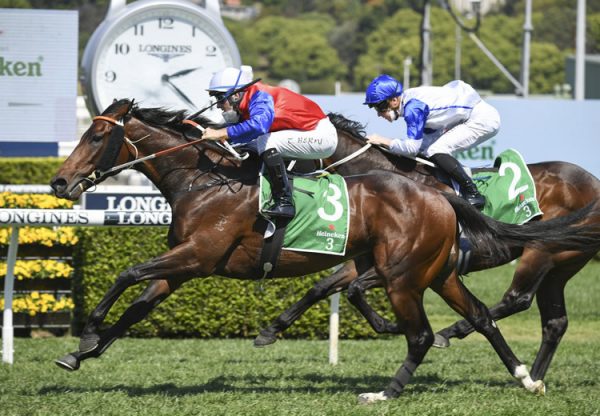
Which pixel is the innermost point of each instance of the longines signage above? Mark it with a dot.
(149, 201)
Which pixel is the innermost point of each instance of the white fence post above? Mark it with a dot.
(334, 322)
(7, 323)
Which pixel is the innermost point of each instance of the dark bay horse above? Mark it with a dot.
(561, 188)
(390, 219)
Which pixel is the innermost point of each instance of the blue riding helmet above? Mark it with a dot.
(383, 87)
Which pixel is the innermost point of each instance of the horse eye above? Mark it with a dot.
(97, 137)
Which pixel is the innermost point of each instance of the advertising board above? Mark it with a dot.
(38, 75)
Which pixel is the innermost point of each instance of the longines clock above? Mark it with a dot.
(160, 53)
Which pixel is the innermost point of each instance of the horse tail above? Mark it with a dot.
(495, 240)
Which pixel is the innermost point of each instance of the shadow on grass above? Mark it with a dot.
(309, 383)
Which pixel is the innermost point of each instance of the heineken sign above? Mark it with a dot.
(38, 75)
(20, 68)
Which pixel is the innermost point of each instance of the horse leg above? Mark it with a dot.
(180, 263)
(458, 297)
(553, 313)
(153, 295)
(532, 269)
(550, 299)
(336, 282)
(412, 320)
(356, 296)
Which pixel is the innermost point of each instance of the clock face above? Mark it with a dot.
(161, 57)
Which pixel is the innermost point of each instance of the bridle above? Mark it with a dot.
(117, 138)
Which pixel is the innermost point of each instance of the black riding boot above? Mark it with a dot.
(453, 168)
(283, 203)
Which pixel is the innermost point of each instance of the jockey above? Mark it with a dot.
(273, 121)
(439, 121)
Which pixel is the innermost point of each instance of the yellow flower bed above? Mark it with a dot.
(10, 200)
(49, 237)
(36, 302)
(38, 269)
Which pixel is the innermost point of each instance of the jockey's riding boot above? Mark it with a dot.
(457, 172)
(283, 202)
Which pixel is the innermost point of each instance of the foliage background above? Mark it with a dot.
(205, 308)
(317, 43)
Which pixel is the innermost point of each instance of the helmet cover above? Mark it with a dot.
(229, 79)
(383, 87)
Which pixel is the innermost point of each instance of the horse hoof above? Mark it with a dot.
(440, 341)
(264, 340)
(539, 388)
(88, 343)
(69, 362)
(370, 398)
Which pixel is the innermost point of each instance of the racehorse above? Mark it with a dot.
(205, 186)
(561, 188)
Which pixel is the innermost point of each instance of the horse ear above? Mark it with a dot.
(130, 105)
(114, 100)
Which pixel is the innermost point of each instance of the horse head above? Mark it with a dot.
(127, 136)
(100, 147)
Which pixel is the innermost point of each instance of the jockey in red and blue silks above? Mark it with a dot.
(439, 121)
(276, 123)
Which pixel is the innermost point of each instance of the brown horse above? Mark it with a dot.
(204, 185)
(561, 188)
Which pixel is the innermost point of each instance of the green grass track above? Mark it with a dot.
(292, 377)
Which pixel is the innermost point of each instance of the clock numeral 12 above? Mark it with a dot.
(165, 23)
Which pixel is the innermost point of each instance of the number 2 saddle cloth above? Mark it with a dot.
(509, 189)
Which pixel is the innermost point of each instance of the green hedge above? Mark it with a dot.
(30, 170)
(211, 307)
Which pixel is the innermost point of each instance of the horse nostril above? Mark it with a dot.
(59, 185)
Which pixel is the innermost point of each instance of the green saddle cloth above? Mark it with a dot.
(510, 192)
(321, 223)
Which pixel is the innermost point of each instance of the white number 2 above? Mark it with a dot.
(512, 192)
(338, 208)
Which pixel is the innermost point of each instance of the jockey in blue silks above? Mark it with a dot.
(439, 121)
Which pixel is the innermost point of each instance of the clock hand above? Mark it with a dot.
(183, 72)
(165, 78)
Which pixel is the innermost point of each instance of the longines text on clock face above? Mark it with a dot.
(161, 58)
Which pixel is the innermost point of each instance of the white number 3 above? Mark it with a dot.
(338, 208)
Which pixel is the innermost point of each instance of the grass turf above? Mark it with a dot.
(230, 377)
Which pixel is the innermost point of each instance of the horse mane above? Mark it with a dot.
(160, 116)
(352, 128)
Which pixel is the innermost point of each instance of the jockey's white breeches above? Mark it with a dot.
(482, 124)
(299, 144)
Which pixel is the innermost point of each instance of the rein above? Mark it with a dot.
(366, 147)
(224, 144)
(99, 174)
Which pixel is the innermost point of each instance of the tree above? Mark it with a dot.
(15, 4)
(297, 48)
